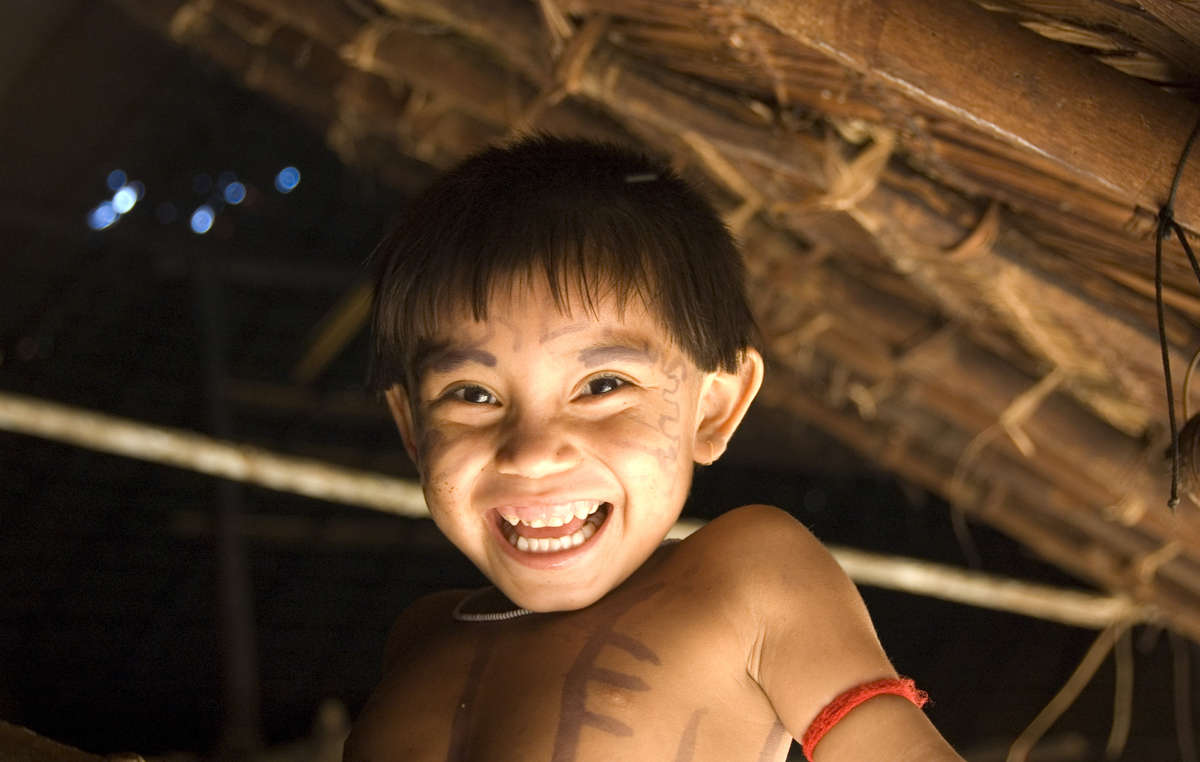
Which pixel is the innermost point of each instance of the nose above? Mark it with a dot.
(534, 447)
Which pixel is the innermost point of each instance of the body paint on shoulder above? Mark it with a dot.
(770, 749)
(687, 744)
(574, 714)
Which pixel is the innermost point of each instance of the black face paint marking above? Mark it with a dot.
(574, 714)
(549, 336)
(687, 744)
(601, 355)
(770, 749)
(447, 360)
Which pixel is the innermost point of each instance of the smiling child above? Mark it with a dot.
(561, 333)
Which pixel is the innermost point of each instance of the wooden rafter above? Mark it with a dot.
(1109, 130)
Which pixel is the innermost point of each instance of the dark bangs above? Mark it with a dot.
(591, 220)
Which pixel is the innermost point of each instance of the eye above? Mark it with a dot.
(603, 385)
(473, 395)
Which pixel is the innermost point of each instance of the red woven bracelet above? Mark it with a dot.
(841, 706)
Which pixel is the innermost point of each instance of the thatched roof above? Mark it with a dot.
(948, 209)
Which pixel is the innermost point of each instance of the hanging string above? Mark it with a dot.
(1167, 224)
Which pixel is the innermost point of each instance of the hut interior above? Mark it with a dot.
(968, 227)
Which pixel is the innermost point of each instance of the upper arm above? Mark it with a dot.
(809, 638)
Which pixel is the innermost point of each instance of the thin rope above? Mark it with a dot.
(492, 616)
(1173, 500)
(1184, 729)
(1122, 697)
(1095, 656)
(1167, 223)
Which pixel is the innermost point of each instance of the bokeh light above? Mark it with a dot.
(234, 193)
(115, 180)
(124, 199)
(202, 219)
(287, 179)
(103, 216)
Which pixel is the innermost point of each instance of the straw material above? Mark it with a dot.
(942, 205)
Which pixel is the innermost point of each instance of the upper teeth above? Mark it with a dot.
(557, 515)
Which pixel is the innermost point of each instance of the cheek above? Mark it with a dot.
(446, 457)
(649, 440)
(639, 438)
(427, 441)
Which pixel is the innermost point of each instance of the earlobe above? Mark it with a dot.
(397, 400)
(724, 401)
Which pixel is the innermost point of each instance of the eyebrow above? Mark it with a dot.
(444, 359)
(604, 353)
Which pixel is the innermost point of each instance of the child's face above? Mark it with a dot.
(540, 417)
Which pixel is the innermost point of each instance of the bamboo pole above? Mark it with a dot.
(987, 591)
(196, 452)
(182, 449)
(1107, 129)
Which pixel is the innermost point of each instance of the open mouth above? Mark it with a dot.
(556, 534)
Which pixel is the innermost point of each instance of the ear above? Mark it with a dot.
(397, 400)
(724, 400)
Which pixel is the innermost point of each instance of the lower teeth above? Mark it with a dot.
(552, 544)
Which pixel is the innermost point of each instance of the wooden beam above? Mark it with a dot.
(230, 460)
(1076, 608)
(1109, 130)
(910, 575)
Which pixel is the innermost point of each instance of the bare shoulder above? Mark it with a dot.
(421, 652)
(766, 572)
(420, 623)
(802, 622)
(757, 548)
(755, 517)
(756, 523)
(779, 571)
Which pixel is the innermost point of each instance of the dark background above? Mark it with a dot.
(110, 635)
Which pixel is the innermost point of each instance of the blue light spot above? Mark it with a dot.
(287, 179)
(166, 212)
(234, 193)
(225, 178)
(202, 183)
(102, 216)
(202, 219)
(138, 188)
(124, 199)
(115, 180)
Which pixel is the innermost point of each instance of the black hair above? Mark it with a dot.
(595, 219)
